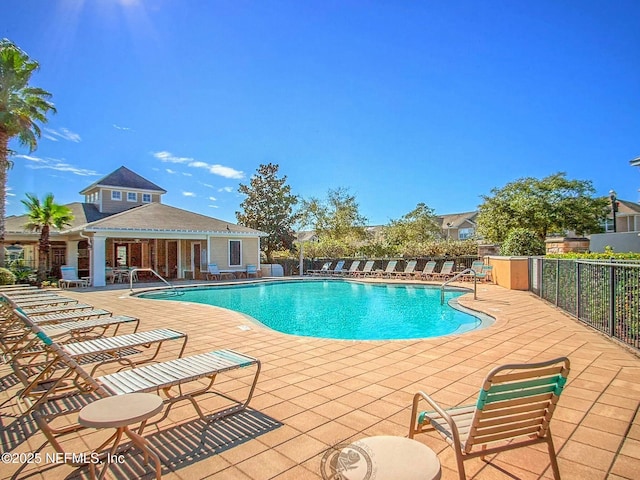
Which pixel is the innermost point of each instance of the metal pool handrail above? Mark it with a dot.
(136, 270)
(475, 284)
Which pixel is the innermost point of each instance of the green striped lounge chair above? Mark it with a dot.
(513, 410)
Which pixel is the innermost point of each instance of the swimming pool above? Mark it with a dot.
(338, 309)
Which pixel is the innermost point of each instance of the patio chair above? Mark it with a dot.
(366, 270)
(36, 367)
(476, 266)
(408, 270)
(352, 268)
(70, 278)
(252, 271)
(427, 272)
(213, 272)
(169, 379)
(486, 273)
(514, 408)
(337, 270)
(445, 272)
(387, 272)
(322, 270)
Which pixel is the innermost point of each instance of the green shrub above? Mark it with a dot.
(7, 277)
(521, 241)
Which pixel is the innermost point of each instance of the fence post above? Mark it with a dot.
(578, 288)
(557, 281)
(612, 303)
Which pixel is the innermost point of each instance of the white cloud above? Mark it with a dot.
(63, 133)
(220, 170)
(189, 194)
(55, 164)
(118, 127)
(172, 172)
(31, 158)
(167, 157)
(226, 189)
(8, 192)
(187, 174)
(214, 206)
(49, 137)
(213, 199)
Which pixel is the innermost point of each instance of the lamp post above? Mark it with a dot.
(449, 225)
(614, 207)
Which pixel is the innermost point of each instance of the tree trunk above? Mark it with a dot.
(43, 254)
(4, 166)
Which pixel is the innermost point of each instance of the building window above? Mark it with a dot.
(146, 198)
(235, 253)
(116, 195)
(132, 197)
(465, 233)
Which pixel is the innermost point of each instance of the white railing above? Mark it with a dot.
(475, 282)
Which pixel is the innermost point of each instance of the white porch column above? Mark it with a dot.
(99, 261)
(72, 253)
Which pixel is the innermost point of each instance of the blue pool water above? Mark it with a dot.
(338, 309)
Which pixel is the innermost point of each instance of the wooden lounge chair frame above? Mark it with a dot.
(515, 405)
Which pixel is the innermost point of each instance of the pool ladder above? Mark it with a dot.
(475, 283)
(136, 270)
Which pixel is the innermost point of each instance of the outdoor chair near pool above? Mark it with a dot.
(485, 274)
(427, 272)
(366, 270)
(36, 366)
(337, 270)
(513, 410)
(476, 266)
(213, 272)
(409, 270)
(252, 271)
(188, 379)
(70, 278)
(387, 272)
(352, 268)
(445, 272)
(324, 269)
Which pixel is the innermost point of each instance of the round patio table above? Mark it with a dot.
(119, 412)
(396, 458)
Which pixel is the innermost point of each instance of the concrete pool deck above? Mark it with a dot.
(314, 393)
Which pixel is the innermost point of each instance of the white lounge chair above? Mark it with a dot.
(70, 278)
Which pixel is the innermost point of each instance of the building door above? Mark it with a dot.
(196, 255)
(172, 259)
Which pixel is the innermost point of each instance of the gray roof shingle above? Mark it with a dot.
(125, 178)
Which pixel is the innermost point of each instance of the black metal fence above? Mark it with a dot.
(603, 294)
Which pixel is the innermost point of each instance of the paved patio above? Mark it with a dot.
(315, 393)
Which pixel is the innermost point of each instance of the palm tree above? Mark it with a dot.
(42, 216)
(21, 107)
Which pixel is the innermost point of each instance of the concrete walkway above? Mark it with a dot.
(314, 393)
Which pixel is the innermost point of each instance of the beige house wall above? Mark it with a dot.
(112, 206)
(219, 253)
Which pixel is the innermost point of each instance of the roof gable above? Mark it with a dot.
(124, 178)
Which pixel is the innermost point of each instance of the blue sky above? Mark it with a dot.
(401, 102)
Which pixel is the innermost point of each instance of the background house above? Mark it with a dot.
(123, 223)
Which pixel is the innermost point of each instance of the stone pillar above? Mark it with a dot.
(566, 245)
(72, 254)
(99, 261)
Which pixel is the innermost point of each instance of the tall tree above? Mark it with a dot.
(337, 217)
(42, 216)
(268, 207)
(21, 108)
(553, 204)
(337, 221)
(417, 226)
